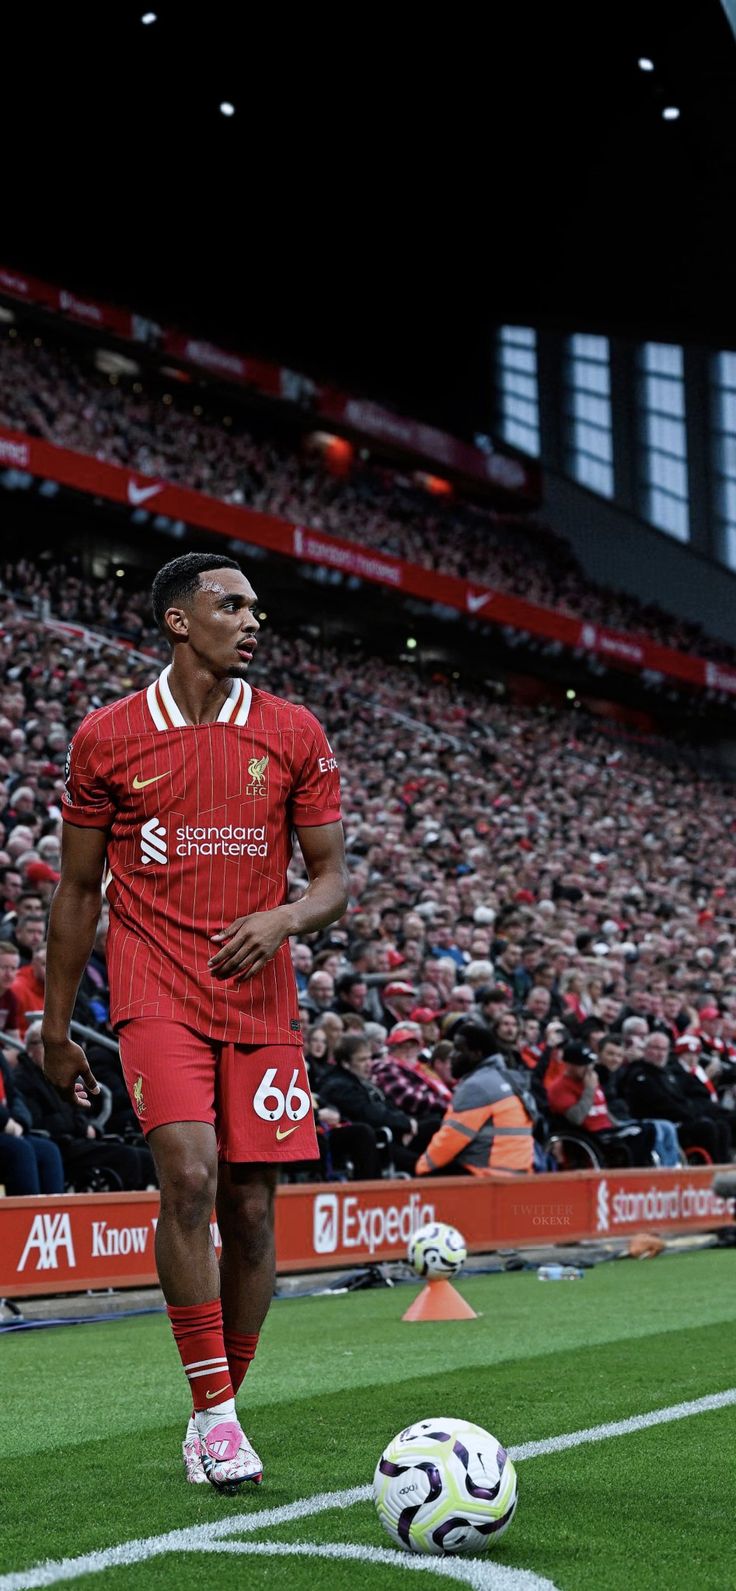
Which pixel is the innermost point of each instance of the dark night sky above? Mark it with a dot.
(384, 194)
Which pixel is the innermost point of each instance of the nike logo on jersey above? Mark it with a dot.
(289, 1130)
(140, 784)
(217, 1394)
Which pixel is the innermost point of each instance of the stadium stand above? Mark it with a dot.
(585, 877)
(51, 390)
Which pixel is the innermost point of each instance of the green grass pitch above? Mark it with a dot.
(94, 1417)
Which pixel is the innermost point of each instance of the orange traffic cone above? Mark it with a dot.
(439, 1300)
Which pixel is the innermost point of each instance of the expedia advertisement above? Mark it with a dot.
(67, 1244)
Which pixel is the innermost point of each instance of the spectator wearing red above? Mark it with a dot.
(9, 1006)
(29, 987)
(42, 877)
(694, 1060)
(576, 1096)
(717, 1058)
(405, 1081)
(429, 1022)
(399, 998)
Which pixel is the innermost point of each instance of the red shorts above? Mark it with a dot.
(256, 1097)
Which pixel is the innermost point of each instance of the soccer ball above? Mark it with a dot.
(437, 1250)
(445, 1486)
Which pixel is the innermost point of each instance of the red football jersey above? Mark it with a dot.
(200, 821)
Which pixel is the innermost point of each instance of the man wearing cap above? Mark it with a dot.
(716, 1058)
(403, 1078)
(702, 1074)
(43, 878)
(398, 998)
(576, 1096)
(429, 1022)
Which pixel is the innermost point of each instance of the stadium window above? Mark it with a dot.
(518, 387)
(723, 433)
(663, 438)
(587, 403)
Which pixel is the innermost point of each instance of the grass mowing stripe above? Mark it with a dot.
(343, 1343)
(136, 1484)
(638, 1422)
(208, 1537)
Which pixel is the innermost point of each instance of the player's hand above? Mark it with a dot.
(248, 943)
(66, 1066)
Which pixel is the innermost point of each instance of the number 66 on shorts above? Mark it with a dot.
(270, 1103)
(256, 1097)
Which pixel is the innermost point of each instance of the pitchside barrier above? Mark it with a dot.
(84, 1240)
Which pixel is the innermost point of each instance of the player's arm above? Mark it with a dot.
(250, 942)
(75, 912)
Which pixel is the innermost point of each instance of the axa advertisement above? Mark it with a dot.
(78, 1241)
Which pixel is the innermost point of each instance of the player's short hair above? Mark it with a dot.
(179, 579)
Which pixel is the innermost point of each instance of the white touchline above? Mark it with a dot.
(638, 1422)
(482, 1574)
(204, 1538)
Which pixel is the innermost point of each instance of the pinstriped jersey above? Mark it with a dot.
(199, 821)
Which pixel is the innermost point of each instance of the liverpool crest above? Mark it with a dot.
(257, 771)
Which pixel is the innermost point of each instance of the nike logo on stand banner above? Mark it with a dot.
(140, 784)
(289, 1130)
(141, 494)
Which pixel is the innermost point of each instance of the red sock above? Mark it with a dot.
(240, 1347)
(197, 1332)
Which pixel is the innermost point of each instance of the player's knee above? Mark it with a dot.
(188, 1191)
(248, 1218)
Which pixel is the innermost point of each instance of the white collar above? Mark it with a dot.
(167, 715)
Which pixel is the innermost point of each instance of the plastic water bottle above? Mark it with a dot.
(560, 1273)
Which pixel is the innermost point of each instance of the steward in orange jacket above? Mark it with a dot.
(487, 1127)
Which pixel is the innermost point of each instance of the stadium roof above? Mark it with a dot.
(382, 193)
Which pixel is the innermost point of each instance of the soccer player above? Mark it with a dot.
(186, 794)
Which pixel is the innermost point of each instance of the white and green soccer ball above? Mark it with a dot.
(437, 1250)
(445, 1486)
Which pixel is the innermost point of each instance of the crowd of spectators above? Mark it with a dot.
(539, 916)
(49, 391)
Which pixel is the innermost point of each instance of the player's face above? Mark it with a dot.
(221, 623)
